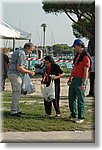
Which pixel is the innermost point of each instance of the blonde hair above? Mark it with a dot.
(4, 50)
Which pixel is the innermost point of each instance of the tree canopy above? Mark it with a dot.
(60, 49)
(82, 14)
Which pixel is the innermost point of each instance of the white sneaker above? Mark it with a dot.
(58, 115)
(79, 121)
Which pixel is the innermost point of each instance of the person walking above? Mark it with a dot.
(52, 69)
(15, 74)
(78, 81)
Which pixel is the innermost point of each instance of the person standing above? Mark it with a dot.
(92, 78)
(5, 65)
(15, 74)
(52, 69)
(78, 81)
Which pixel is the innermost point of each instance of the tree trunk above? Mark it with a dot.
(91, 46)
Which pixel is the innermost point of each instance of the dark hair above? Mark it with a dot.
(50, 59)
(81, 44)
(28, 45)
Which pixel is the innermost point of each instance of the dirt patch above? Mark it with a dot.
(37, 83)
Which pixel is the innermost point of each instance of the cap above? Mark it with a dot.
(77, 42)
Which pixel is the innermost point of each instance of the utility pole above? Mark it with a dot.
(44, 25)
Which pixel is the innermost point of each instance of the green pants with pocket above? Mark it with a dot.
(77, 98)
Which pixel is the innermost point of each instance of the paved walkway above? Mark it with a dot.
(54, 136)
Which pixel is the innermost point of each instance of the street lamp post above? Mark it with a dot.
(44, 25)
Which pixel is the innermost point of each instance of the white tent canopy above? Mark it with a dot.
(23, 34)
(7, 31)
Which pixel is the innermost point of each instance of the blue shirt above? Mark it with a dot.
(18, 58)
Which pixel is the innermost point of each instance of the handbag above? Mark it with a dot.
(27, 86)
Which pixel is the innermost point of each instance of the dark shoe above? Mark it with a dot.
(16, 115)
(21, 113)
(71, 118)
(58, 115)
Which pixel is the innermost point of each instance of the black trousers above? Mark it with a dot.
(48, 105)
(92, 82)
(3, 82)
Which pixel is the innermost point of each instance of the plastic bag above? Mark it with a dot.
(48, 92)
(27, 86)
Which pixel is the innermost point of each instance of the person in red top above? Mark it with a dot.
(78, 81)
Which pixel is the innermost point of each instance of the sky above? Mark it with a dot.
(29, 16)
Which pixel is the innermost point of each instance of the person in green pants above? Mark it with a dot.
(78, 81)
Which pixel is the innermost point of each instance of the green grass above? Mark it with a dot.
(34, 119)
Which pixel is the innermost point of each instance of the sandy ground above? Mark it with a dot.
(37, 83)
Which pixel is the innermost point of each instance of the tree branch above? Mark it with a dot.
(84, 27)
(70, 16)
